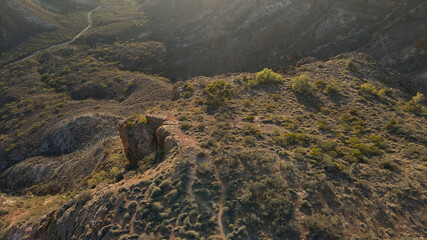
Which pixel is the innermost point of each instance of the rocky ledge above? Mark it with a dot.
(143, 135)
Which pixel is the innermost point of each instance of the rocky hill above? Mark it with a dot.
(99, 139)
(327, 150)
(213, 37)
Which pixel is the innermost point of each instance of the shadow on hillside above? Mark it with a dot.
(311, 102)
(338, 99)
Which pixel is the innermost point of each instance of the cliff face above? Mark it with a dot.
(144, 135)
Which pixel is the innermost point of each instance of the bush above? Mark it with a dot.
(381, 93)
(378, 141)
(218, 93)
(250, 118)
(419, 98)
(301, 84)
(285, 139)
(368, 88)
(249, 141)
(349, 65)
(265, 76)
(134, 120)
(414, 105)
(83, 197)
(330, 89)
(390, 165)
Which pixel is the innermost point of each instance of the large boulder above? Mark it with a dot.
(139, 137)
(167, 136)
(143, 135)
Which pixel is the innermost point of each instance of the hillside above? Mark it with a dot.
(219, 119)
(326, 150)
(26, 26)
(213, 37)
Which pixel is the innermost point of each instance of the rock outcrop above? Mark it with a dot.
(147, 134)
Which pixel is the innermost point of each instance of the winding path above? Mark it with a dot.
(90, 23)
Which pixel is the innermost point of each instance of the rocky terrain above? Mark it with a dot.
(238, 157)
(99, 138)
(213, 37)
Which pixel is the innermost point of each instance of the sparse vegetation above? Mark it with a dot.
(260, 163)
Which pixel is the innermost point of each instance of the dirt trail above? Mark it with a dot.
(221, 202)
(90, 23)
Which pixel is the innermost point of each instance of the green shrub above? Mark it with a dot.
(368, 88)
(324, 125)
(134, 120)
(316, 153)
(414, 105)
(367, 150)
(321, 84)
(269, 107)
(327, 145)
(381, 93)
(249, 141)
(301, 84)
(419, 98)
(265, 76)
(330, 89)
(188, 87)
(218, 93)
(286, 139)
(378, 141)
(250, 118)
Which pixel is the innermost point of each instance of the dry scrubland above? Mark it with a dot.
(325, 150)
(328, 149)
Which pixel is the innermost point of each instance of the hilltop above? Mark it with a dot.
(325, 150)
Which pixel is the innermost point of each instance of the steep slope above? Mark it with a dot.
(213, 37)
(329, 150)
